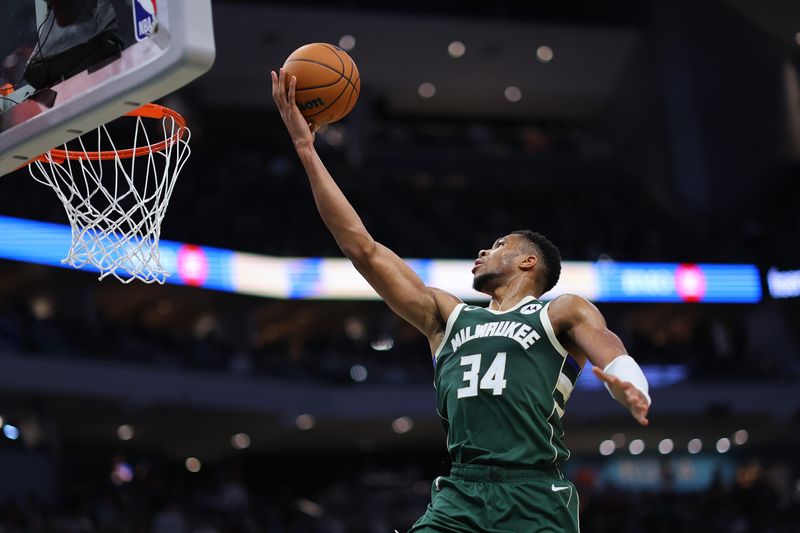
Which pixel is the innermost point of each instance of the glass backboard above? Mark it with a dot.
(69, 66)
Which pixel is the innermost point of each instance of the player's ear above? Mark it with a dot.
(529, 262)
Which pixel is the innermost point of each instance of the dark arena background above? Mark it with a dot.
(263, 389)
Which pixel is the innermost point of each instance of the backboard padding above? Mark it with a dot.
(181, 50)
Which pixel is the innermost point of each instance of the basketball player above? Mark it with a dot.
(503, 373)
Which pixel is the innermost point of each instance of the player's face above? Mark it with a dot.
(494, 263)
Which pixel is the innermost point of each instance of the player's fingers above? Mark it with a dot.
(641, 407)
(636, 399)
(626, 387)
(277, 92)
(282, 86)
(276, 89)
(314, 127)
(607, 378)
(639, 414)
(641, 399)
(292, 88)
(643, 418)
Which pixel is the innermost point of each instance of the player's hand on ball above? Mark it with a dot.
(301, 131)
(627, 395)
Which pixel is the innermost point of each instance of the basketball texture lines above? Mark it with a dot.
(328, 83)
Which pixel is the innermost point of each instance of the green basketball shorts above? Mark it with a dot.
(491, 499)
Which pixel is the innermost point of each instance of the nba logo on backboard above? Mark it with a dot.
(144, 18)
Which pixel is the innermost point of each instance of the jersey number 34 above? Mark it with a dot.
(492, 380)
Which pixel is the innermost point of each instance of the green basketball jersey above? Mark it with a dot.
(502, 380)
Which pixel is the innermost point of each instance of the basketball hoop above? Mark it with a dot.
(116, 216)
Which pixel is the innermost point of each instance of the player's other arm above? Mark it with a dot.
(401, 288)
(583, 330)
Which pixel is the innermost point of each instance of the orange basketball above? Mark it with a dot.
(328, 84)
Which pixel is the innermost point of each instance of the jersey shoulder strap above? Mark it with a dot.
(544, 316)
(448, 329)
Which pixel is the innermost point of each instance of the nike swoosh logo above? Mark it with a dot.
(556, 489)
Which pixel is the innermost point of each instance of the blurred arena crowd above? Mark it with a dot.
(365, 496)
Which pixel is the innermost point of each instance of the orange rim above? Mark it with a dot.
(154, 111)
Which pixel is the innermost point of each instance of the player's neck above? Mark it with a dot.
(507, 296)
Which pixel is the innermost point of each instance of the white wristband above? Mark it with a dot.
(626, 369)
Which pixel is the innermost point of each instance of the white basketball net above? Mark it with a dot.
(115, 207)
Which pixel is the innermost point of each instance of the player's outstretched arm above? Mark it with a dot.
(584, 332)
(401, 288)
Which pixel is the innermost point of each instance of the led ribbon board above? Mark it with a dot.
(336, 279)
(783, 283)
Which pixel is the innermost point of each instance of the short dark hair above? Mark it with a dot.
(549, 255)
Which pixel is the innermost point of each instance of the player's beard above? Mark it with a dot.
(482, 282)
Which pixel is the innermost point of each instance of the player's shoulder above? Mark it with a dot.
(570, 300)
(445, 301)
(569, 308)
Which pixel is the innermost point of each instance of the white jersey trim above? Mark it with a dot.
(552, 431)
(551, 334)
(564, 386)
(449, 328)
(519, 304)
(552, 395)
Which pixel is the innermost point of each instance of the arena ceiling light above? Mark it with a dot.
(305, 422)
(384, 343)
(193, 464)
(636, 447)
(125, 432)
(723, 445)
(513, 94)
(695, 446)
(666, 446)
(544, 54)
(402, 425)
(11, 432)
(426, 89)
(347, 42)
(456, 49)
(358, 373)
(240, 441)
(607, 447)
